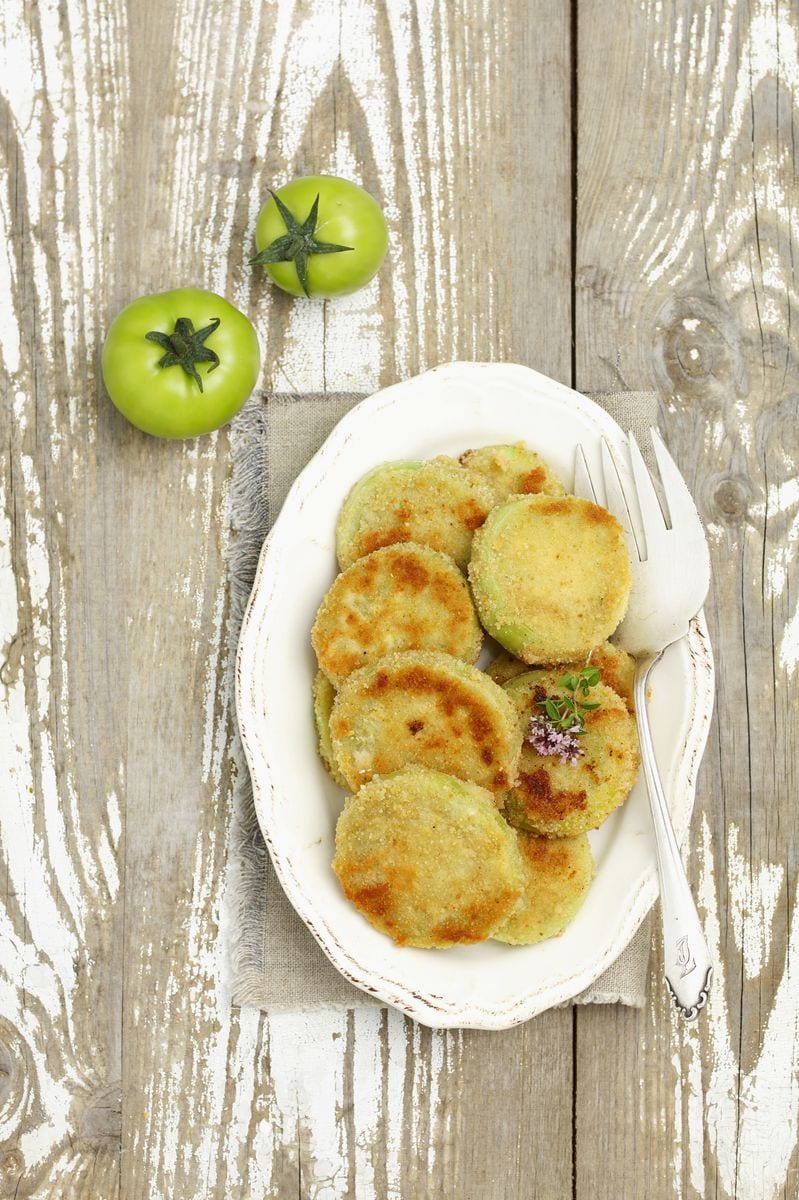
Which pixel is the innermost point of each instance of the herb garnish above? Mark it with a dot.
(557, 729)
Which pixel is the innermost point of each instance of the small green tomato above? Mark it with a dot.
(321, 236)
(182, 363)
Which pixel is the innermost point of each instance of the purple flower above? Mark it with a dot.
(546, 739)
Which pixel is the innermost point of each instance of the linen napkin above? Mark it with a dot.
(276, 963)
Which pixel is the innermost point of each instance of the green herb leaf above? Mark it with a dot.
(566, 712)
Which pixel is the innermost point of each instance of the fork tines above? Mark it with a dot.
(626, 488)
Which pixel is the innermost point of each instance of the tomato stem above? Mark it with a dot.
(185, 346)
(298, 243)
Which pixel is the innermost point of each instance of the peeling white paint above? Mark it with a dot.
(782, 497)
(695, 1114)
(393, 1110)
(307, 1070)
(766, 1126)
(300, 367)
(55, 872)
(753, 898)
(789, 645)
(108, 865)
(367, 1098)
(777, 571)
(770, 1092)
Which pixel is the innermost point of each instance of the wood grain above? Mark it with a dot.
(192, 110)
(60, 817)
(685, 282)
(137, 142)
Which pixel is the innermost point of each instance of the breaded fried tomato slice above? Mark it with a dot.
(561, 799)
(513, 470)
(403, 597)
(427, 859)
(557, 876)
(323, 696)
(426, 708)
(550, 576)
(616, 669)
(436, 503)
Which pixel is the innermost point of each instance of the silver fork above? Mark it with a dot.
(671, 576)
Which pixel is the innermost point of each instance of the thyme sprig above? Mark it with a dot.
(557, 730)
(566, 712)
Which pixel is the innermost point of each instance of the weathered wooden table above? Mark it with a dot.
(607, 193)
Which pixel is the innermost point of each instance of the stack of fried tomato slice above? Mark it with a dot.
(472, 792)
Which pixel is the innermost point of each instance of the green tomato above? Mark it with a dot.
(181, 363)
(321, 236)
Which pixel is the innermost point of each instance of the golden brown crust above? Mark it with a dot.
(427, 708)
(427, 859)
(403, 597)
(437, 504)
(557, 799)
(538, 801)
(424, 855)
(512, 470)
(616, 669)
(557, 876)
(550, 576)
(532, 482)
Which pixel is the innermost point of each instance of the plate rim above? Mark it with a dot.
(424, 1006)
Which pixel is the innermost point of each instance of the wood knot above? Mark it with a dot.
(698, 347)
(694, 351)
(697, 350)
(599, 282)
(12, 1166)
(16, 1075)
(731, 499)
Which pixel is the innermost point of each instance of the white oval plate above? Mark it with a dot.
(488, 986)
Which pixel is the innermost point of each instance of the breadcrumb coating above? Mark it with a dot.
(427, 859)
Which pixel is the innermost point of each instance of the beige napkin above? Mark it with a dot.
(277, 964)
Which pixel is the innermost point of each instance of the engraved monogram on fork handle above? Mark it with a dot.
(687, 964)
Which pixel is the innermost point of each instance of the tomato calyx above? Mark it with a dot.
(298, 243)
(185, 346)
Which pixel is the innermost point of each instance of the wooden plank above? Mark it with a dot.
(685, 281)
(143, 139)
(450, 155)
(62, 641)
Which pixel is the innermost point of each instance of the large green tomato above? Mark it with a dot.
(321, 236)
(181, 363)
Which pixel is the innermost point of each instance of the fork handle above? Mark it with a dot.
(687, 964)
